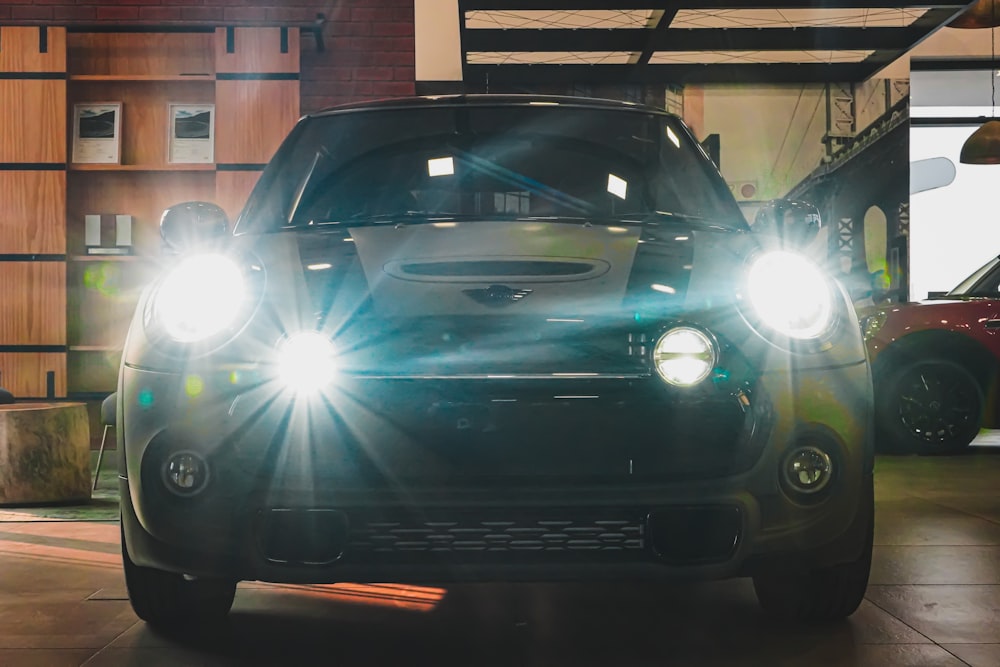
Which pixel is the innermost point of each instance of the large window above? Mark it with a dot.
(954, 227)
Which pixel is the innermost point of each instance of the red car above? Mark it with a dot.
(934, 365)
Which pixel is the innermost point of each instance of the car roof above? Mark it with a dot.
(489, 100)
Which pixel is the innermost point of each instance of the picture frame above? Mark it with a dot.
(190, 133)
(97, 133)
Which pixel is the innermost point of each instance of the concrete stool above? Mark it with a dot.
(44, 453)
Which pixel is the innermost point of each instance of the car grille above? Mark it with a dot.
(466, 536)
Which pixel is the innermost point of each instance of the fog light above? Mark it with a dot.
(807, 469)
(684, 356)
(185, 473)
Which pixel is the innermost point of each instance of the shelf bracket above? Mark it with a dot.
(316, 28)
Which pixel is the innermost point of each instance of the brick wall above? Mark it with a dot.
(370, 53)
(369, 43)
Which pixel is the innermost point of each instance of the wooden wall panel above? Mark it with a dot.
(139, 54)
(24, 373)
(20, 49)
(232, 189)
(257, 50)
(32, 212)
(143, 195)
(34, 311)
(144, 113)
(33, 122)
(258, 115)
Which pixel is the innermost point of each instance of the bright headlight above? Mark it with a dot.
(307, 362)
(684, 356)
(200, 297)
(790, 294)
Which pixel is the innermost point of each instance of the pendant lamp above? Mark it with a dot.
(983, 146)
(980, 15)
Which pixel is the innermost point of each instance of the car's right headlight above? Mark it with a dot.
(200, 297)
(790, 295)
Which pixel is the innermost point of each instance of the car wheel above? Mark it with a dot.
(167, 599)
(819, 595)
(928, 407)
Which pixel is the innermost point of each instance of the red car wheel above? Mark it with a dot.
(929, 407)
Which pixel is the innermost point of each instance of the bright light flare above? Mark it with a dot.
(200, 298)
(674, 139)
(440, 166)
(307, 362)
(790, 294)
(617, 186)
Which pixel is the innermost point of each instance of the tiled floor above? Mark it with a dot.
(934, 599)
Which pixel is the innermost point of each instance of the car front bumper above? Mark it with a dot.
(297, 508)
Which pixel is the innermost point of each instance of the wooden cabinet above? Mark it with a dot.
(32, 211)
(63, 322)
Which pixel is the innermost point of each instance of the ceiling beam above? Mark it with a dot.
(684, 39)
(922, 27)
(512, 75)
(661, 28)
(576, 5)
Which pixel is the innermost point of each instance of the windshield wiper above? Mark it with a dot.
(672, 217)
(362, 219)
(407, 217)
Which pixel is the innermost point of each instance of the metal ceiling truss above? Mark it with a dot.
(871, 47)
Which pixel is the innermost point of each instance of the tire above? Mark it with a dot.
(819, 595)
(933, 406)
(167, 600)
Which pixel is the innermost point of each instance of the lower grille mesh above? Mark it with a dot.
(452, 535)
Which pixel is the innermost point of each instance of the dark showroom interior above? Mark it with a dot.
(499, 332)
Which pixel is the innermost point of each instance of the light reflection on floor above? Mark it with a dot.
(987, 438)
(395, 596)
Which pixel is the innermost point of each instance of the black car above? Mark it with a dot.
(491, 338)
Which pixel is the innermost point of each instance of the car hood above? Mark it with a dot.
(509, 268)
(919, 310)
(455, 298)
(888, 323)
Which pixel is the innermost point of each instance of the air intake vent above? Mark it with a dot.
(499, 533)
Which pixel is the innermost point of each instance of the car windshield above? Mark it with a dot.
(984, 282)
(377, 166)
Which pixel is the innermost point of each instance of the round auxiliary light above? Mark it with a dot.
(307, 362)
(185, 473)
(807, 469)
(684, 356)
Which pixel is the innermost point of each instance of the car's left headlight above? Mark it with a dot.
(790, 294)
(200, 297)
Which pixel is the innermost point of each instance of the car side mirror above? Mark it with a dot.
(795, 223)
(192, 224)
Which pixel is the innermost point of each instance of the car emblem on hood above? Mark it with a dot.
(496, 296)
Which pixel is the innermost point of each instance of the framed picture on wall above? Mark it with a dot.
(191, 135)
(97, 132)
